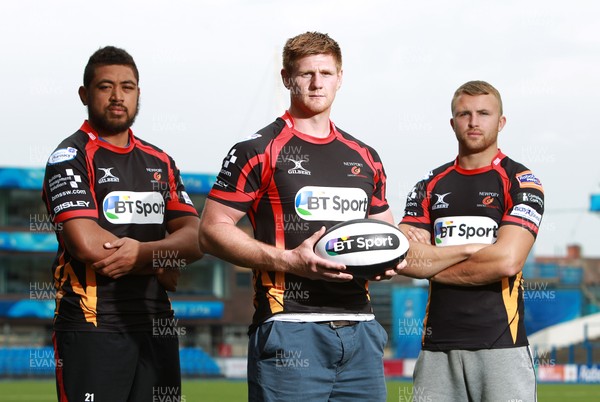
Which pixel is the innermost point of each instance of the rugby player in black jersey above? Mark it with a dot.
(313, 336)
(474, 344)
(122, 206)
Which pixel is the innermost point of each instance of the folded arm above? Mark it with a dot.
(503, 259)
(426, 260)
(109, 255)
(132, 256)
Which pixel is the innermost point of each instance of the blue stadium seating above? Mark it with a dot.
(39, 362)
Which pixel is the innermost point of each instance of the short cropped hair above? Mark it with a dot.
(473, 88)
(308, 44)
(107, 56)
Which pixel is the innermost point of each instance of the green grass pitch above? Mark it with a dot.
(210, 390)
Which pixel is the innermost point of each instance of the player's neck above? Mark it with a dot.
(317, 126)
(477, 160)
(119, 140)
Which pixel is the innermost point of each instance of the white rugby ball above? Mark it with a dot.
(367, 247)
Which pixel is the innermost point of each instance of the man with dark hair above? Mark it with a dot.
(123, 208)
(475, 347)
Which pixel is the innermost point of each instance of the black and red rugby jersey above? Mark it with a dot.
(131, 192)
(461, 206)
(290, 184)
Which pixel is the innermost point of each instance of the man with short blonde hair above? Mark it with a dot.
(475, 347)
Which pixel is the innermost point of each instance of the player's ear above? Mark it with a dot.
(340, 79)
(285, 77)
(501, 123)
(452, 123)
(83, 95)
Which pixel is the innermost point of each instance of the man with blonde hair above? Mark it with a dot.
(475, 347)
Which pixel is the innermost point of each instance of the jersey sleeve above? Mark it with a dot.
(67, 191)
(240, 179)
(416, 211)
(379, 202)
(526, 205)
(179, 202)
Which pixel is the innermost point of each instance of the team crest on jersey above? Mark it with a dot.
(298, 168)
(440, 202)
(487, 199)
(108, 177)
(355, 169)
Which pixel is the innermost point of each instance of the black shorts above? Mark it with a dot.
(116, 367)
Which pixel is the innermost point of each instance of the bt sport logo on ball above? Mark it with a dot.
(359, 243)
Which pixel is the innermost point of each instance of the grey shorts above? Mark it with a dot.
(488, 375)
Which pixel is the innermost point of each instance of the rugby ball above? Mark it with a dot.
(367, 247)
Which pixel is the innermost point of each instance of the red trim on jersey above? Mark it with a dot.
(376, 167)
(494, 164)
(522, 222)
(506, 184)
(90, 151)
(314, 140)
(241, 196)
(291, 125)
(179, 206)
(273, 192)
(60, 383)
(170, 172)
(429, 190)
(95, 138)
(238, 196)
(79, 213)
(415, 219)
(157, 154)
(246, 171)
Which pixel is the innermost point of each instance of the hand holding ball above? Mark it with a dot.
(368, 247)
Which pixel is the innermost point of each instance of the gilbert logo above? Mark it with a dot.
(440, 203)
(298, 168)
(108, 176)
